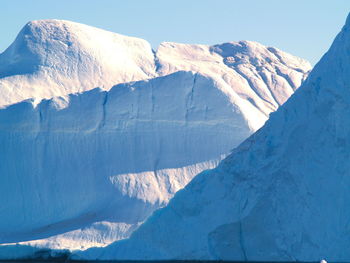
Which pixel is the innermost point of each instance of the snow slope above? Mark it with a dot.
(85, 169)
(282, 195)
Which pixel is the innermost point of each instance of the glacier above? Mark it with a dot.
(97, 130)
(281, 195)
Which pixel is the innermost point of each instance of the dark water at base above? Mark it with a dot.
(142, 261)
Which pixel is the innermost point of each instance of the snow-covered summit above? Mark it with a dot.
(282, 195)
(264, 76)
(56, 58)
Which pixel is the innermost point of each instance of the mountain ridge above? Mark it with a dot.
(63, 54)
(281, 195)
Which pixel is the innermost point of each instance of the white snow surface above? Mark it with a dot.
(97, 234)
(282, 195)
(55, 58)
(83, 166)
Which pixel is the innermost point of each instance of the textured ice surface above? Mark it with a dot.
(282, 195)
(113, 155)
(109, 157)
(54, 58)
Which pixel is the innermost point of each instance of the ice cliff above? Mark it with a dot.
(282, 195)
(109, 129)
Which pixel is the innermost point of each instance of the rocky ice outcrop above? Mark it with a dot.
(282, 195)
(87, 168)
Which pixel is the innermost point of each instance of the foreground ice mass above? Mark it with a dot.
(85, 169)
(282, 195)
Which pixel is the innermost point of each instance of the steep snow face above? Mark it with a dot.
(88, 168)
(282, 195)
(114, 155)
(54, 58)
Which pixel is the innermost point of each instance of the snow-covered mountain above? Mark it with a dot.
(282, 195)
(56, 58)
(85, 169)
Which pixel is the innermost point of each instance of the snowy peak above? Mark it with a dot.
(250, 52)
(335, 62)
(242, 52)
(58, 43)
(264, 76)
(54, 58)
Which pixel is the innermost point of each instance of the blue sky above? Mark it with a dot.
(304, 28)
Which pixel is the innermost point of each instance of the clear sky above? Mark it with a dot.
(304, 28)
